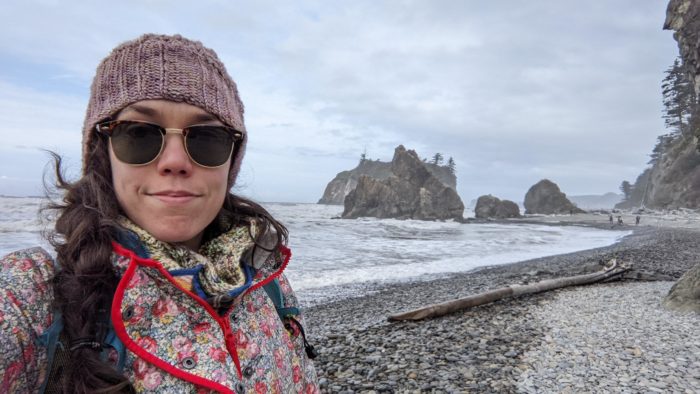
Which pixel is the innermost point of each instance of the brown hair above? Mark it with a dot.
(85, 284)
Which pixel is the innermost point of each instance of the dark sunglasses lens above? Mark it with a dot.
(136, 143)
(209, 146)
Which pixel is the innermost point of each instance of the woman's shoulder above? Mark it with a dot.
(26, 296)
(25, 277)
(33, 266)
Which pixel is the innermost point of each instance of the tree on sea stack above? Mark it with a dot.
(451, 165)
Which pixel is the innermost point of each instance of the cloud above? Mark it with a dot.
(33, 119)
(512, 90)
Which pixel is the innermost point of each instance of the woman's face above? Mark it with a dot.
(172, 198)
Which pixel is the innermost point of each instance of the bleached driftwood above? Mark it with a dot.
(611, 271)
(647, 276)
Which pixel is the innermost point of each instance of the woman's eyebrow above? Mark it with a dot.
(203, 117)
(141, 109)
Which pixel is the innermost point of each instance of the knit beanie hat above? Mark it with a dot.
(164, 67)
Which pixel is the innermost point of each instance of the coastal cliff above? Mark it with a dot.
(673, 179)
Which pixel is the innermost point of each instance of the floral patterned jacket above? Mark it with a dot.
(175, 341)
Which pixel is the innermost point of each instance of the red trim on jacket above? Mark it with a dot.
(120, 329)
(287, 255)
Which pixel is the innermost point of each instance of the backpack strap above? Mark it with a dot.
(274, 291)
(288, 314)
(53, 339)
(112, 341)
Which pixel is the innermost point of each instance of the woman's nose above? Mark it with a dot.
(174, 159)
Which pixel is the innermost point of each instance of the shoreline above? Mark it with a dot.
(495, 347)
(316, 297)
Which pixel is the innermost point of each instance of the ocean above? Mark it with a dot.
(337, 257)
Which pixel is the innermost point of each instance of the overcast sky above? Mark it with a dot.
(514, 91)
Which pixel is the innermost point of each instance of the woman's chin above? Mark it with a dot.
(176, 235)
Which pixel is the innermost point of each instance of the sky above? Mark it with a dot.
(513, 91)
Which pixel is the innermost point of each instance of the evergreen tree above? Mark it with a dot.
(451, 165)
(626, 189)
(678, 98)
(662, 143)
(437, 159)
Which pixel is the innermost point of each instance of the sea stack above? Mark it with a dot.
(490, 207)
(411, 192)
(544, 197)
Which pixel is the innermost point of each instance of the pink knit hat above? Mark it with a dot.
(164, 67)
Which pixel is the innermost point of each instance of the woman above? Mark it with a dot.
(164, 281)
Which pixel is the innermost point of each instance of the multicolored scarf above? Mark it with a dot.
(221, 273)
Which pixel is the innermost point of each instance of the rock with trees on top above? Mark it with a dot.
(410, 192)
(346, 181)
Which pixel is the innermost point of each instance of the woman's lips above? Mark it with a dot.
(174, 197)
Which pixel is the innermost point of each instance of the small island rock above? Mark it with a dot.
(544, 197)
(491, 207)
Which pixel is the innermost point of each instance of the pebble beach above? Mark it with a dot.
(609, 337)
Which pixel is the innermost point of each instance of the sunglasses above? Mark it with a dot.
(140, 143)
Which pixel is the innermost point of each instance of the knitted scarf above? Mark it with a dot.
(220, 258)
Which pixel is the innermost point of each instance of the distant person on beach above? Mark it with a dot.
(619, 220)
(636, 220)
(164, 281)
(611, 218)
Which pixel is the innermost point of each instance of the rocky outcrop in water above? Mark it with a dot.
(544, 197)
(346, 181)
(411, 192)
(490, 207)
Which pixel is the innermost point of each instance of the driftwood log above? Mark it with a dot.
(611, 271)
